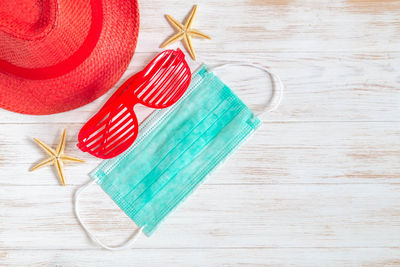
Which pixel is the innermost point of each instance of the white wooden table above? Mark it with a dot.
(317, 185)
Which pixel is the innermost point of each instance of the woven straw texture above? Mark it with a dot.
(41, 34)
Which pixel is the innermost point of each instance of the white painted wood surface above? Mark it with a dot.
(317, 185)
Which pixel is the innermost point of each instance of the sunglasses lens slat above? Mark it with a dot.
(105, 137)
(162, 86)
(120, 122)
(165, 86)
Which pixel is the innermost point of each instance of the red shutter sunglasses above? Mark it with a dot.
(115, 127)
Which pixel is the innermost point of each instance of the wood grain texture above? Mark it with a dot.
(207, 257)
(300, 215)
(317, 185)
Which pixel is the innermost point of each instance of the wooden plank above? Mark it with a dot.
(205, 257)
(363, 152)
(216, 216)
(327, 87)
(306, 152)
(265, 25)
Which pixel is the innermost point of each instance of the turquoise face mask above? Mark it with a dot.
(174, 152)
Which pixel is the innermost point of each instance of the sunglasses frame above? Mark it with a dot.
(115, 127)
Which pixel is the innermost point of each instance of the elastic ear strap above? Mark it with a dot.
(125, 245)
(277, 84)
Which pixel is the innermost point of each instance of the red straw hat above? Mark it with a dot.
(57, 55)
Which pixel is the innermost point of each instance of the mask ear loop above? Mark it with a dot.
(125, 245)
(276, 81)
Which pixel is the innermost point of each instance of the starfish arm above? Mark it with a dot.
(45, 147)
(71, 158)
(198, 34)
(176, 24)
(189, 46)
(61, 145)
(191, 17)
(60, 170)
(43, 163)
(173, 39)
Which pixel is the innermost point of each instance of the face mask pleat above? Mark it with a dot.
(170, 165)
(175, 192)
